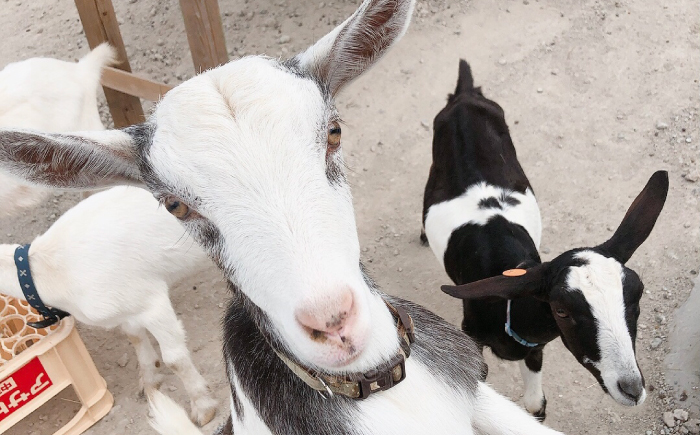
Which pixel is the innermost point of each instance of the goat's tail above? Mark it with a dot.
(496, 415)
(465, 81)
(169, 418)
(103, 55)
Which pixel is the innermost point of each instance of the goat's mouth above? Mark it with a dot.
(345, 360)
(627, 392)
(338, 351)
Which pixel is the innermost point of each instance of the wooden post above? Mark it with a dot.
(205, 33)
(100, 25)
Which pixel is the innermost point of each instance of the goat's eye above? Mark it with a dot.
(176, 207)
(561, 312)
(333, 136)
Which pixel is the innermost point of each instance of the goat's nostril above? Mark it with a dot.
(631, 388)
(332, 322)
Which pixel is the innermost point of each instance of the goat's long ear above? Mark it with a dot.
(516, 283)
(80, 160)
(354, 46)
(639, 220)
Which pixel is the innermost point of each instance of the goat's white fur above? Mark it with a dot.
(254, 193)
(109, 261)
(600, 281)
(416, 406)
(48, 95)
(447, 216)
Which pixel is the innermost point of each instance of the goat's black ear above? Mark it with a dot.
(639, 220)
(465, 81)
(515, 283)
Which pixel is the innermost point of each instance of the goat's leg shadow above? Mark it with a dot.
(147, 358)
(531, 371)
(170, 335)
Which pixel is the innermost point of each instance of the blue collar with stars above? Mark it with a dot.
(512, 333)
(51, 315)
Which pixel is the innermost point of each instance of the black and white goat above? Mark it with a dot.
(481, 218)
(247, 156)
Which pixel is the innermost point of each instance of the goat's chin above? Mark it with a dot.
(624, 400)
(343, 361)
(334, 359)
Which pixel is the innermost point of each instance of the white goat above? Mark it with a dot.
(247, 157)
(110, 260)
(49, 95)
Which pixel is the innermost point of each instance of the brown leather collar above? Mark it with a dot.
(361, 386)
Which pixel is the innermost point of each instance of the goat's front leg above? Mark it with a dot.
(168, 331)
(531, 371)
(497, 415)
(147, 357)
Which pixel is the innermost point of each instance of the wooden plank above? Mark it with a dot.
(131, 84)
(205, 33)
(100, 25)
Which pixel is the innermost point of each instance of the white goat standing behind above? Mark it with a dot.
(49, 95)
(110, 260)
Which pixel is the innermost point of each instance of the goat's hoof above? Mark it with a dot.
(203, 410)
(541, 413)
(154, 382)
(144, 392)
(423, 239)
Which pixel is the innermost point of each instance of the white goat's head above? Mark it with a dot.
(247, 157)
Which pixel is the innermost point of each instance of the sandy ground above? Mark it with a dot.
(598, 96)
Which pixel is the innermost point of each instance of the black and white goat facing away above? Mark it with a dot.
(481, 219)
(247, 156)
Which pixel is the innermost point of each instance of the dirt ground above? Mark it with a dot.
(598, 95)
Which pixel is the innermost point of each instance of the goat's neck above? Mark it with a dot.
(9, 283)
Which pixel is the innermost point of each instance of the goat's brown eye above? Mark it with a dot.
(561, 312)
(333, 136)
(176, 207)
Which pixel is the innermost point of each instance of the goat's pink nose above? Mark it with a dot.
(330, 323)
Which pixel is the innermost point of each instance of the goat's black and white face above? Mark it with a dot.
(247, 157)
(594, 297)
(595, 302)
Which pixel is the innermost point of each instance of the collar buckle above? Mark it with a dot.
(375, 381)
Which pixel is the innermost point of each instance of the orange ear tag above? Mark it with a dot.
(514, 272)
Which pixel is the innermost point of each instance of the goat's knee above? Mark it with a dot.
(150, 378)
